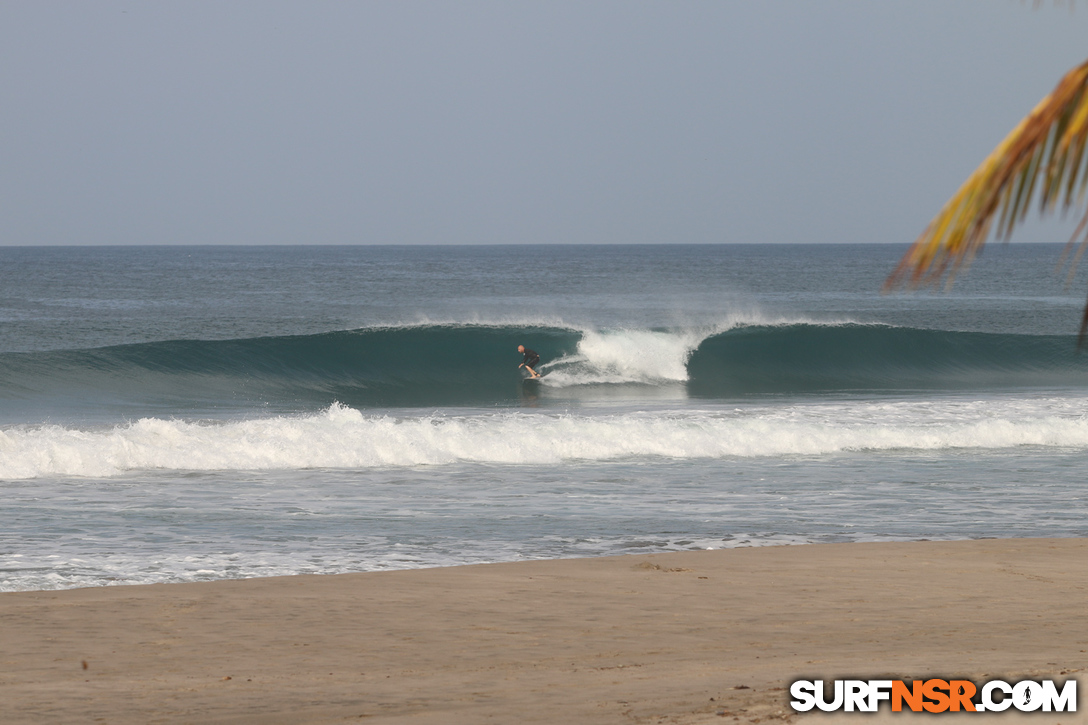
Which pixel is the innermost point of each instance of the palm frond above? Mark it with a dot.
(1044, 155)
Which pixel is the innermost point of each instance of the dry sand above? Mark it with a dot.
(694, 637)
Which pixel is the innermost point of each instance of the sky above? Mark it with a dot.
(270, 122)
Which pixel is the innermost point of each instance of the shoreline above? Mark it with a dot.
(683, 637)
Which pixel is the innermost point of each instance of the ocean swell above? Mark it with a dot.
(807, 358)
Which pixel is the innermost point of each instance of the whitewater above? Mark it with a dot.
(345, 438)
(164, 417)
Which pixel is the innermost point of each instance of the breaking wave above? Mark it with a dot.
(440, 365)
(343, 437)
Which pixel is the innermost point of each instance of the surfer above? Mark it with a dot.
(531, 360)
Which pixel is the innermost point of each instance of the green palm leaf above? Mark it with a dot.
(1044, 155)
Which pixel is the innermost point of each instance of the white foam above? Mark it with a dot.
(649, 357)
(620, 356)
(342, 437)
(626, 356)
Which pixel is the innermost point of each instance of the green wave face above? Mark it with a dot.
(454, 365)
(380, 367)
(846, 358)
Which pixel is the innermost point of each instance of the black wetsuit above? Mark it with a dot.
(531, 359)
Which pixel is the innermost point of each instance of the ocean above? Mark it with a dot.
(195, 413)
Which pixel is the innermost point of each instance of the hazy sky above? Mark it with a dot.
(509, 122)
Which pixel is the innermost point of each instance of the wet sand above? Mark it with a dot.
(693, 637)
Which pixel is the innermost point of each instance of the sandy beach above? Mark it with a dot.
(691, 637)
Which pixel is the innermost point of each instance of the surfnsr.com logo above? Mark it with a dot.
(935, 695)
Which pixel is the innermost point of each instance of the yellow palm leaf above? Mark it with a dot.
(1044, 155)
